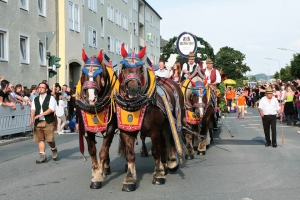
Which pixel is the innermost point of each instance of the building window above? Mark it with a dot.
(76, 18)
(42, 7)
(24, 49)
(5, 1)
(125, 1)
(3, 45)
(71, 21)
(110, 42)
(136, 31)
(118, 18)
(135, 5)
(92, 37)
(83, 2)
(42, 54)
(83, 33)
(130, 15)
(73, 16)
(110, 12)
(130, 40)
(23, 4)
(125, 22)
(92, 5)
(102, 2)
(102, 27)
(147, 15)
(118, 47)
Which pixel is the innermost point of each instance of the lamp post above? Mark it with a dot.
(268, 69)
(278, 62)
(284, 49)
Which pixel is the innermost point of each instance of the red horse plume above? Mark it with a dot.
(100, 56)
(84, 56)
(123, 51)
(142, 53)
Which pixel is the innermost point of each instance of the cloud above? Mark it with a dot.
(254, 47)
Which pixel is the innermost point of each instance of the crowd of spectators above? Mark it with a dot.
(287, 94)
(12, 95)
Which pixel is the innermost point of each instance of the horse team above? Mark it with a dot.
(136, 102)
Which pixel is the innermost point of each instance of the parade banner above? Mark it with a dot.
(186, 43)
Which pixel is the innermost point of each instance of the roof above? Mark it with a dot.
(152, 9)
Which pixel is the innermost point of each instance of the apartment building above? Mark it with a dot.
(89, 24)
(22, 52)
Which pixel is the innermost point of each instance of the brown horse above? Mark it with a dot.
(199, 110)
(94, 112)
(138, 101)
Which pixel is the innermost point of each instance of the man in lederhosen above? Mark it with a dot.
(188, 68)
(42, 116)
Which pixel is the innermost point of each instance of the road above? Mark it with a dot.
(233, 168)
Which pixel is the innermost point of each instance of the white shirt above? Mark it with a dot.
(184, 66)
(218, 76)
(161, 73)
(59, 110)
(52, 104)
(269, 108)
(282, 95)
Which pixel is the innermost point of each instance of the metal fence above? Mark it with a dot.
(14, 121)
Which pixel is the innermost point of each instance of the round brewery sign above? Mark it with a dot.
(186, 43)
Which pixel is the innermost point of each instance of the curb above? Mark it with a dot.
(14, 140)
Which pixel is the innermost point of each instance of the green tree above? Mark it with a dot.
(231, 63)
(295, 65)
(276, 75)
(285, 74)
(205, 50)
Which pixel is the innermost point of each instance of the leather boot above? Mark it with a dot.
(42, 159)
(54, 154)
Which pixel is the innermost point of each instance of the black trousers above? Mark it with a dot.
(267, 121)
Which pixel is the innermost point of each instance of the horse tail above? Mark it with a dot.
(122, 148)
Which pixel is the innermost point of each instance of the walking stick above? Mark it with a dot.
(282, 136)
(224, 122)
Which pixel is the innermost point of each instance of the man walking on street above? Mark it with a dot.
(42, 115)
(268, 108)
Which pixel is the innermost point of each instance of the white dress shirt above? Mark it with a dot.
(52, 105)
(161, 73)
(269, 108)
(218, 76)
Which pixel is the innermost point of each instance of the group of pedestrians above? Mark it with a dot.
(50, 109)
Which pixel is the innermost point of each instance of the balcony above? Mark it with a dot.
(141, 19)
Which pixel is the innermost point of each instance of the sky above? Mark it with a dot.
(256, 28)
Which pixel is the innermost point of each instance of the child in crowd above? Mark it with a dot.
(241, 105)
(60, 114)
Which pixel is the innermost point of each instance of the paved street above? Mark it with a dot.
(233, 168)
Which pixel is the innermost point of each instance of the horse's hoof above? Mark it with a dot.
(95, 185)
(166, 171)
(189, 157)
(126, 168)
(128, 187)
(144, 154)
(202, 153)
(159, 181)
(207, 146)
(174, 169)
(107, 171)
(198, 152)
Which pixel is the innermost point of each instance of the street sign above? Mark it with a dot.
(46, 38)
(186, 43)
